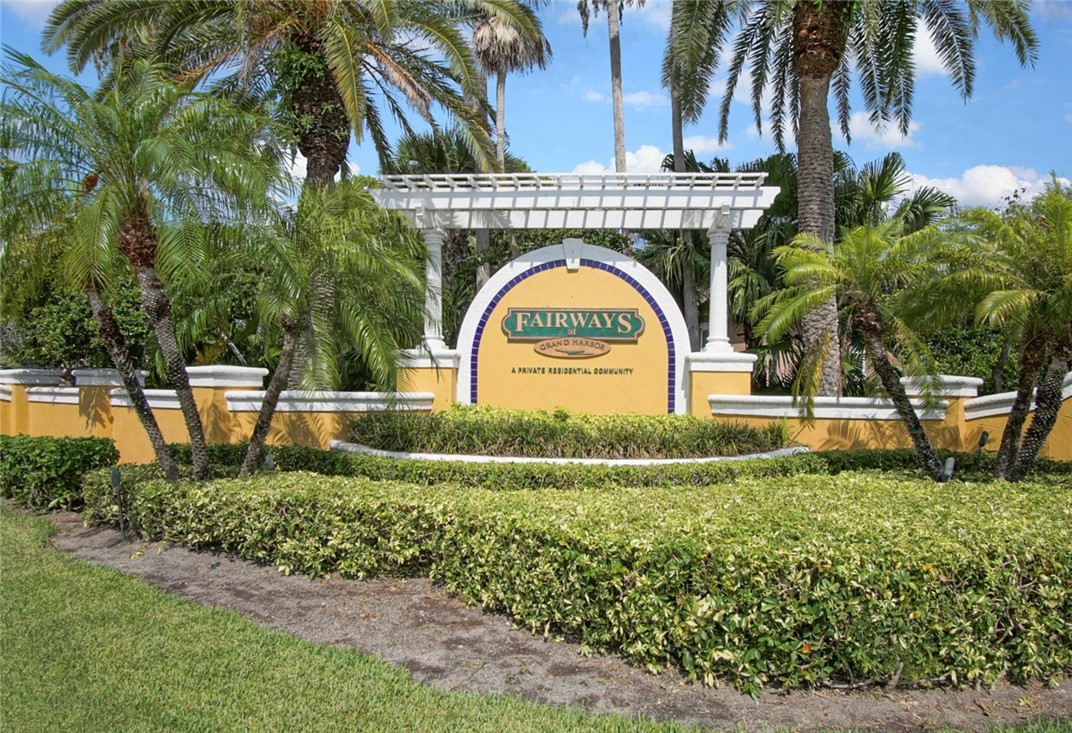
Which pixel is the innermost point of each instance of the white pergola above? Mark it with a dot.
(715, 202)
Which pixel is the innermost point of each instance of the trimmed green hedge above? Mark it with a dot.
(574, 476)
(46, 473)
(493, 431)
(854, 577)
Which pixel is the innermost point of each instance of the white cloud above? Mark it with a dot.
(1068, 117)
(889, 138)
(35, 12)
(656, 13)
(645, 159)
(1053, 11)
(987, 185)
(644, 99)
(641, 99)
(704, 144)
(925, 54)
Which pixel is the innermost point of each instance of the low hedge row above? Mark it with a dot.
(970, 466)
(46, 473)
(492, 431)
(854, 577)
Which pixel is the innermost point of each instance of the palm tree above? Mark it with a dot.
(871, 273)
(148, 162)
(45, 228)
(501, 48)
(328, 60)
(1017, 268)
(614, 10)
(371, 260)
(800, 50)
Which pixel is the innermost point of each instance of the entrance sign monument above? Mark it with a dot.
(576, 325)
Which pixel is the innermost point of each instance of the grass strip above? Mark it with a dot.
(86, 648)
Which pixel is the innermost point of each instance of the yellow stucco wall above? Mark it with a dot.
(704, 384)
(312, 429)
(442, 381)
(515, 375)
(1058, 445)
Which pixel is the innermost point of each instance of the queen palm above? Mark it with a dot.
(800, 50)
(613, 9)
(146, 162)
(872, 273)
(328, 60)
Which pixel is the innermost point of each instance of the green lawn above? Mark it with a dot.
(85, 648)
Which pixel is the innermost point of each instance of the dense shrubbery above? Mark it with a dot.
(796, 582)
(46, 473)
(481, 430)
(575, 476)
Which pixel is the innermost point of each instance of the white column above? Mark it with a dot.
(718, 339)
(433, 293)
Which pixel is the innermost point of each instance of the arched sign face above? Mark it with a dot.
(574, 326)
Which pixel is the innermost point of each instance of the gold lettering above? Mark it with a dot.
(624, 323)
(560, 319)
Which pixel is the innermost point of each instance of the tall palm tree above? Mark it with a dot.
(800, 50)
(148, 162)
(372, 260)
(501, 48)
(614, 10)
(871, 272)
(328, 60)
(1016, 270)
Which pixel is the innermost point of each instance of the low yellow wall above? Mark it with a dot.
(96, 415)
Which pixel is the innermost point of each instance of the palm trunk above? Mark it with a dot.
(820, 32)
(689, 305)
(116, 345)
(500, 120)
(1032, 361)
(616, 85)
(483, 267)
(136, 239)
(158, 307)
(880, 361)
(271, 400)
(1047, 405)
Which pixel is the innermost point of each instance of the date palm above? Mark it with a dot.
(871, 273)
(147, 162)
(330, 61)
(369, 260)
(1016, 270)
(801, 51)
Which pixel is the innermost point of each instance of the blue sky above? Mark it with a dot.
(1012, 133)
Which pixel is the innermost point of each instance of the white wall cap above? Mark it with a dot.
(425, 359)
(826, 408)
(5, 393)
(164, 399)
(720, 361)
(345, 447)
(947, 385)
(53, 395)
(993, 405)
(224, 375)
(103, 377)
(31, 376)
(295, 401)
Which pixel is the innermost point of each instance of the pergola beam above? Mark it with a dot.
(716, 202)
